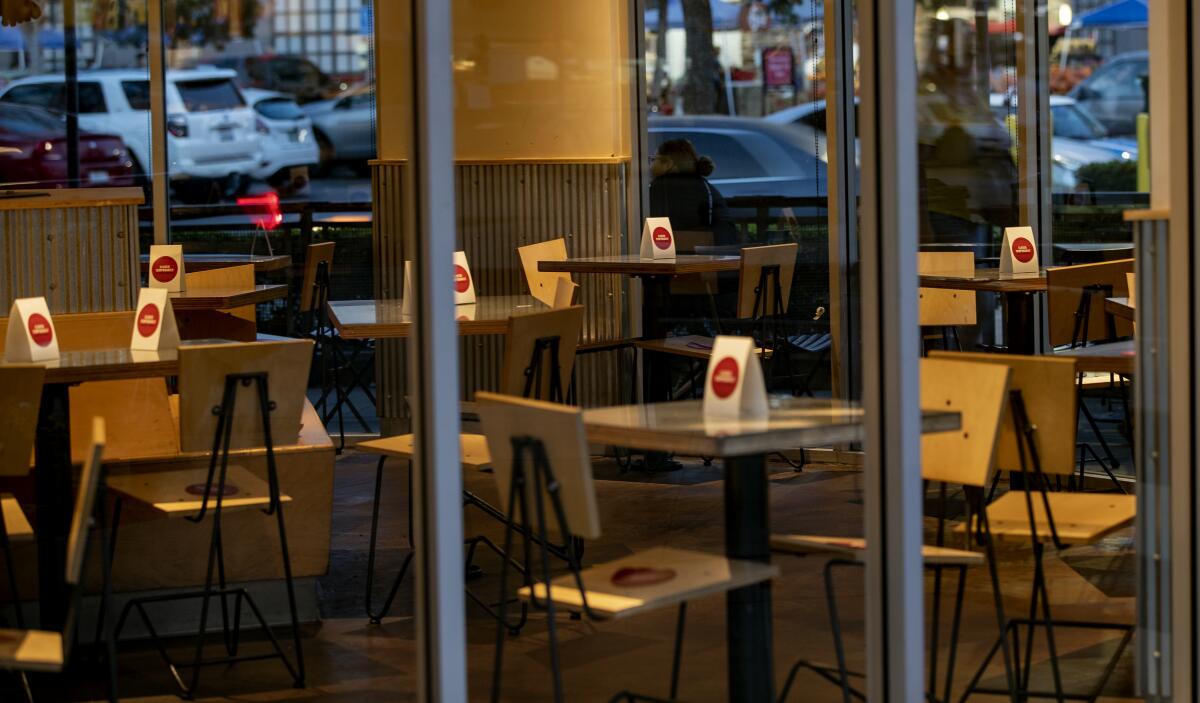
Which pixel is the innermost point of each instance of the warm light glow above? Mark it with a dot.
(1065, 15)
(942, 14)
(264, 209)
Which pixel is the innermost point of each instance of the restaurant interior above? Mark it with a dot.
(620, 350)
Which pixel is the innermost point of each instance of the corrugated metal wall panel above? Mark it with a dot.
(83, 259)
(502, 206)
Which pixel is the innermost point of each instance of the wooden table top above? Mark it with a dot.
(1097, 247)
(69, 197)
(635, 265)
(988, 280)
(387, 319)
(1120, 307)
(680, 427)
(205, 262)
(1114, 357)
(110, 365)
(225, 298)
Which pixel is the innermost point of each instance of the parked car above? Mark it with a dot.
(33, 152)
(294, 75)
(289, 148)
(1115, 93)
(1077, 139)
(345, 126)
(211, 137)
(752, 157)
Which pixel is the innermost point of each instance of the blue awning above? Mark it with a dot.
(11, 39)
(1123, 13)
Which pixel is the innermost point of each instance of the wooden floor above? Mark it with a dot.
(350, 660)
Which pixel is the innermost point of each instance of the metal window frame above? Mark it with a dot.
(1033, 139)
(890, 331)
(437, 484)
(156, 48)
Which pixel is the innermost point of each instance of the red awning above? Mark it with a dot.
(1005, 27)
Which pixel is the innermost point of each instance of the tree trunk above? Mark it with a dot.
(700, 86)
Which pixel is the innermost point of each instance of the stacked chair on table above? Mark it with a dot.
(43, 651)
(544, 478)
(1077, 318)
(539, 353)
(231, 397)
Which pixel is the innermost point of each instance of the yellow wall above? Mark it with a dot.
(533, 79)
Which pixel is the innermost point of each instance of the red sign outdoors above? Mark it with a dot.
(462, 281)
(778, 67)
(147, 320)
(725, 377)
(164, 269)
(662, 238)
(1022, 250)
(39, 330)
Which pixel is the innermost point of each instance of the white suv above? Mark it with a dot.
(211, 132)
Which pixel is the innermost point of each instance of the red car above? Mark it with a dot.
(33, 152)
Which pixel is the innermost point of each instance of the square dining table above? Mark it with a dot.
(1018, 290)
(1120, 307)
(681, 427)
(391, 319)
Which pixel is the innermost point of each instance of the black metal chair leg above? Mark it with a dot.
(1039, 580)
(677, 657)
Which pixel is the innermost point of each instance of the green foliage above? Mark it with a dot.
(1118, 176)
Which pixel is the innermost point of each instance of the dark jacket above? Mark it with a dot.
(693, 204)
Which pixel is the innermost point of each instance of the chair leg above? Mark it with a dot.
(298, 673)
(677, 658)
(377, 617)
(1002, 623)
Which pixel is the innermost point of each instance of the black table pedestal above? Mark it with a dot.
(748, 609)
(55, 498)
(1019, 333)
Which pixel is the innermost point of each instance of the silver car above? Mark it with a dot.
(345, 126)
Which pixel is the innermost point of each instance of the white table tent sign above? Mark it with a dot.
(658, 238)
(1019, 254)
(31, 334)
(166, 267)
(154, 326)
(464, 284)
(734, 386)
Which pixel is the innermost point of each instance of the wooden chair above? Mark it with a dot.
(342, 371)
(544, 476)
(212, 381)
(45, 651)
(544, 286)
(239, 324)
(20, 399)
(963, 457)
(1076, 317)
(946, 310)
(539, 354)
(1037, 439)
(764, 287)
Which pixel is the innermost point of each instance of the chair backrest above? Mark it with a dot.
(937, 307)
(1047, 386)
(543, 286)
(20, 399)
(520, 344)
(239, 277)
(979, 393)
(560, 430)
(754, 260)
(202, 373)
(1131, 286)
(87, 330)
(85, 501)
(1065, 288)
(314, 256)
(565, 293)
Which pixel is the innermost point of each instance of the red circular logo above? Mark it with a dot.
(164, 269)
(1022, 250)
(725, 377)
(40, 330)
(462, 279)
(147, 320)
(662, 238)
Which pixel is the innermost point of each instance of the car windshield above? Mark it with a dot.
(23, 120)
(210, 94)
(1072, 122)
(279, 109)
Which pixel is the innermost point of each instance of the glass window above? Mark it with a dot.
(48, 96)
(279, 109)
(137, 93)
(209, 95)
(17, 119)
